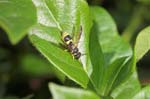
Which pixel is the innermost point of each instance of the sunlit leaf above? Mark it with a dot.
(142, 45)
(62, 60)
(55, 16)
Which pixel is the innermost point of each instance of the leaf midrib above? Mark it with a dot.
(80, 69)
(52, 15)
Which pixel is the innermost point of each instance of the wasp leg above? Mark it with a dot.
(64, 47)
(77, 38)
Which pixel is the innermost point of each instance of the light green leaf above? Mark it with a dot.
(113, 52)
(62, 60)
(143, 94)
(64, 15)
(55, 16)
(83, 45)
(60, 92)
(142, 45)
(16, 17)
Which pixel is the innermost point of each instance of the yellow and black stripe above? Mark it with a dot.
(67, 39)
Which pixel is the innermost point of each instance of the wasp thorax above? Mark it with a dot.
(75, 50)
(67, 38)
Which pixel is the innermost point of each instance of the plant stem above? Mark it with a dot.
(136, 20)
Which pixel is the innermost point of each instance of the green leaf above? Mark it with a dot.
(62, 60)
(10, 97)
(55, 16)
(67, 16)
(36, 66)
(16, 17)
(86, 24)
(97, 59)
(60, 92)
(113, 52)
(143, 94)
(144, 1)
(127, 89)
(142, 45)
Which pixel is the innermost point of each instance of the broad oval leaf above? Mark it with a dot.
(62, 60)
(142, 45)
(112, 55)
(55, 16)
(63, 14)
(60, 92)
(16, 17)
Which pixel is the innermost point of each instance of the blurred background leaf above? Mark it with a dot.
(33, 65)
(16, 17)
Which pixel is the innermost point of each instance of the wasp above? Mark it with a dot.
(71, 46)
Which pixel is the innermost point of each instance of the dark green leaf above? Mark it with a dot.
(112, 55)
(60, 92)
(16, 17)
(36, 66)
(10, 97)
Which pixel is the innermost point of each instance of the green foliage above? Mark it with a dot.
(145, 1)
(64, 21)
(142, 45)
(16, 17)
(127, 89)
(60, 92)
(35, 66)
(108, 68)
(143, 94)
(113, 55)
(61, 60)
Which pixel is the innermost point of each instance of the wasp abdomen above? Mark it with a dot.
(77, 55)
